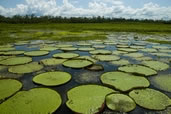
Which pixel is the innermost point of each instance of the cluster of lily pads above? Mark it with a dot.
(137, 65)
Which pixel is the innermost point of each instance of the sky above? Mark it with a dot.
(136, 9)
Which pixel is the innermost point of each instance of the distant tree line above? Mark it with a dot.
(28, 19)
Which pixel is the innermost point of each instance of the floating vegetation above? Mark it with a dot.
(120, 102)
(95, 67)
(121, 62)
(48, 48)
(143, 58)
(52, 61)
(137, 47)
(65, 55)
(165, 50)
(87, 58)
(103, 52)
(27, 68)
(13, 53)
(150, 99)
(16, 61)
(8, 87)
(119, 52)
(99, 46)
(7, 48)
(149, 50)
(52, 78)
(134, 55)
(63, 45)
(162, 54)
(123, 81)
(36, 53)
(127, 49)
(34, 101)
(2, 67)
(162, 82)
(68, 49)
(86, 49)
(77, 63)
(84, 44)
(106, 57)
(122, 46)
(156, 65)
(160, 47)
(138, 69)
(87, 99)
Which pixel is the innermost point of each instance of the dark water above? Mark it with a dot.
(26, 79)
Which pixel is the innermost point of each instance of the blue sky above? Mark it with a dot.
(141, 9)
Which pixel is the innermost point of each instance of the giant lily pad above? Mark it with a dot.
(16, 61)
(27, 68)
(161, 47)
(84, 44)
(162, 82)
(66, 55)
(120, 62)
(52, 61)
(156, 65)
(86, 49)
(87, 58)
(165, 50)
(149, 50)
(106, 57)
(99, 46)
(143, 58)
(150, 99)
(77, 63)
(103, 52)
(119, 52)
(127, 49)
(9, 87)
(120, 102)
(36, 53)
(138, 69)
(162, 54)
(48, 48)
(137, 47)
(34, 101)
(68, 49)
(134, 55)
(6, 48)
(2, 67)
(87, 99)
(13, 52)
(52, 78)
(63, 45)
(123, 81)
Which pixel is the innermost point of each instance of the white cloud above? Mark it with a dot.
(107, 8)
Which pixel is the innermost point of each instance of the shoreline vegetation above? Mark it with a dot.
(19, 28)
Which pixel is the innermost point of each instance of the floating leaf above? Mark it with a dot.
(2, 67)
(162, 82)
(6, 48)
(87, 58)
(119, 52)
(63, 45)
(84, 44)
(86, 49)
(143, 58)
(149, 50)
(34, 101)
(137, 47)
(95, 67)
(103, 52)
(138, 69)
(87, 99)
(134, 55)
(13, 53)
(27, 68)
(99, 46)
(106, 57)
(123, 81)
(52, 61)
(162, 54)
(66, 55)
(8, 87)
(150, 99)
(122, 46)
(16, 61)
(160, 47)
(77, 63)
(36, 53)
(127, 49)
(68, 49)
(48, 48)
(52, 78)
(120, 102)
(120, 62)
(156, 65)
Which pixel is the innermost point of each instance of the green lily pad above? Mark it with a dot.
(134, 55)
(27, 68)
(52, 78)
(8, 87)
(48, 48)
(123, 81)
(119, 52)
(52, 61)
(87, 99)
(120, 62)
(63, 45)
(103, 52)
(36, 53)
(16, 61)
(84, 44)
(162, 54)
(5, 57)
(137, 47)
(110, 43)
(165, 50)
(162, 82)
(149, 50)
(34, 101)
(2, 67)
(150, 99)
(120, 102)
(122, 46)
(95, 67)
(66, 55)
(77, 63)
(138, 69)
(99, 46)
(156, 65)
(127, 49)
(160, 47)
(7, 48)
(143, 58)
(13, 53)
(68, 49)
(86, 49)
(97, 42)
(106, 57)
(87, 58)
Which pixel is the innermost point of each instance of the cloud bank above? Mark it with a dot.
(106, 8)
